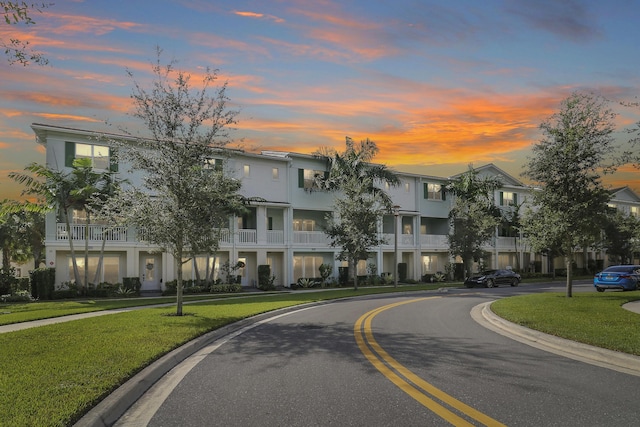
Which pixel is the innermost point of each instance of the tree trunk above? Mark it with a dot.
(179, 283)
(567, 262)
(76, 272)
(100, 258)
(195, 269)
(354, 262)
(86, 251)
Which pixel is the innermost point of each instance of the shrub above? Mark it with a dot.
(226, 288)
(18, 296)
(306, 282)
(132, 283)
(43, 283)
(402, 271)
(265, 279)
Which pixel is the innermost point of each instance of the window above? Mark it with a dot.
(306, 266)
(307, 178)
(433, 191)
(429, 264)
(275, 174)
(101, 156)
(508, 198)
(634, 211)
(213, 164)
(304, 225)
(110, 272)
(246, 170)
(407, 187)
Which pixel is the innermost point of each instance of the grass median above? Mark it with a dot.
(592, 318)
(52, 375)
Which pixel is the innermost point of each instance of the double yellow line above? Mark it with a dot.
(409, 382)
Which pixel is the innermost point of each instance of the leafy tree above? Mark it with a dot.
(621, 237)
(21, 232)
(183, 199)
(361, 204)
(567, 165)
(473, 217)
(16, 50)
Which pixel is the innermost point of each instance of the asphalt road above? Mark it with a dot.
(400, 360)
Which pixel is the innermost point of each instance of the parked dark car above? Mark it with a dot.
(625, 277)
(491, 278)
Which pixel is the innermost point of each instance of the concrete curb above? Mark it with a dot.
(621, 362)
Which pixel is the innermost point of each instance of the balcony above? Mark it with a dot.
(311, 238)
(434, 241)
(95, 233)
(403, 239)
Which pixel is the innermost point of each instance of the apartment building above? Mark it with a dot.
(284, 229)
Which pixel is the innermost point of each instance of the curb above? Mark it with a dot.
(615, 360)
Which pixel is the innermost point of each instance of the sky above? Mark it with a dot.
(437, 85)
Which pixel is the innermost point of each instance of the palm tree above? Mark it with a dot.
(64, 192)
(363, 202)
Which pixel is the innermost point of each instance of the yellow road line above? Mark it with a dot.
(382, 362)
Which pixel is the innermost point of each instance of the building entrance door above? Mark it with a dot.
(150, 272)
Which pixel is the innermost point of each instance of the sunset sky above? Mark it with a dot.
(437, 85)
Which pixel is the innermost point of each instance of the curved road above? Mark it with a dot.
(399, 360)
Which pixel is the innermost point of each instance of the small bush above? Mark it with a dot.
(18, 296)
(43, 283)
(226, 288)
(132, 283)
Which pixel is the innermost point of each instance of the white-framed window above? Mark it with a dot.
(110, 271)
(304, 225)
(275, 174)
(432, 191)
(307, 178)
(100, 155)
(508, 198)
(429, 264)
(407, 187)
(213, 164)
(246, 171)
(634, 211)
(306, 266)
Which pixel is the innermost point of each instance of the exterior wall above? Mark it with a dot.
(272, 234)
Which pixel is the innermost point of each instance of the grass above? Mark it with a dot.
(591, 318)
(52, 375)
(26, 312)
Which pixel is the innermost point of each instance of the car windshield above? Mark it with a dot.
(488, 272)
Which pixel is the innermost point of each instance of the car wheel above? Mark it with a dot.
(599, 289)
(490, 283)
(514, 282)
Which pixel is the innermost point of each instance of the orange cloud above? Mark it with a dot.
(248, 14)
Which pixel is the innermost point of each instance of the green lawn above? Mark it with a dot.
(25, 312)
(591, 318)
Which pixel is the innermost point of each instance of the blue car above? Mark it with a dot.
(625, 277)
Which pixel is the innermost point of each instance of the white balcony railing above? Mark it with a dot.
(275, 237)
(247, 236)
(310, 238)
(95, 233)
(434, 241)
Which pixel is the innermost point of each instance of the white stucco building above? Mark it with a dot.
(285, 230)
